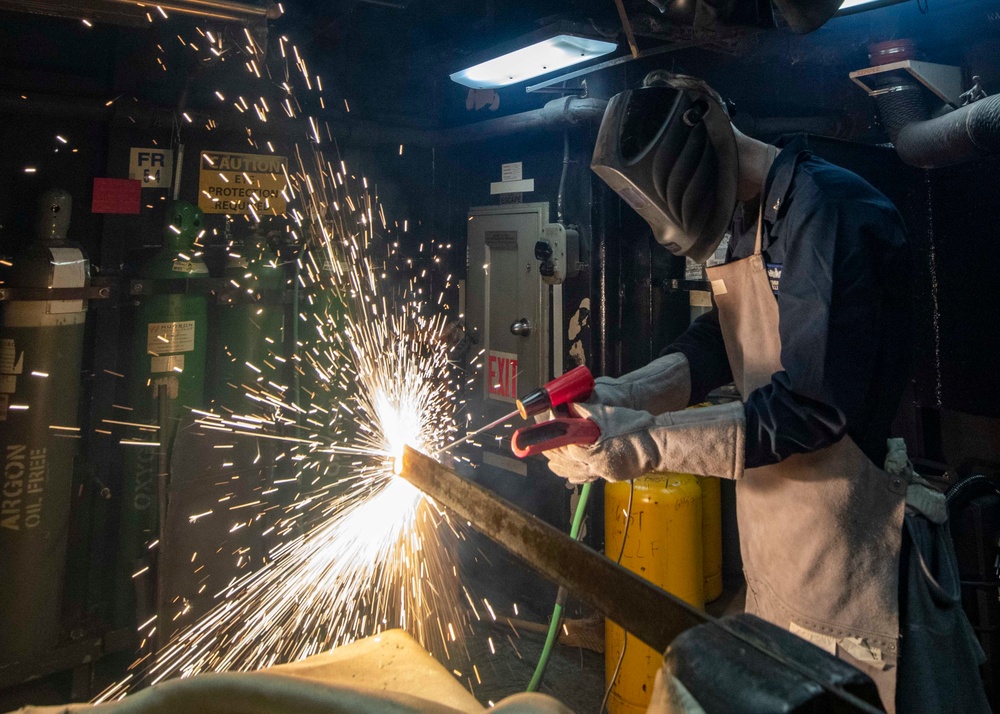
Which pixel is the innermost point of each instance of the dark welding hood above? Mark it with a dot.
(670, 153)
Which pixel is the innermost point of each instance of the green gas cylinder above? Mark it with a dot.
(168, 356)
(249, 326)
(41, 345)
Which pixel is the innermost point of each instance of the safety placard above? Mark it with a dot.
(502, 376)
(10, 361)
(154, 167)
(242, 183)
(170, 337)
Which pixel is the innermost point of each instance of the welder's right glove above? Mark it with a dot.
(663, 385)
(709, 441)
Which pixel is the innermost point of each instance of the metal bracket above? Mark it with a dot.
(943, 80)
(220, 288)
(258, 297)
(675, 285)
(97, 292)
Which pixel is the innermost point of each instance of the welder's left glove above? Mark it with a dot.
(708, 441)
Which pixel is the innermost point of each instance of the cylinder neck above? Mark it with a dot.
(54, 210)
(184, 227)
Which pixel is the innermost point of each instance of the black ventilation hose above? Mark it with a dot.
(900, 102)
(966, 134)
(967, 489)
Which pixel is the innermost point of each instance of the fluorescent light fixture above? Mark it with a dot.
(548, 55)
(849, 7)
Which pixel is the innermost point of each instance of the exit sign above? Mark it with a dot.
(502, 376)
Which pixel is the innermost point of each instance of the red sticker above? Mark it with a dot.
(114, 195)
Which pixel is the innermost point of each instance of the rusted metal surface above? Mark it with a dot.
(653, 615)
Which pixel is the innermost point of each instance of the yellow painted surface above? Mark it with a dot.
(664, 545)
(711, 528)
(237, 183)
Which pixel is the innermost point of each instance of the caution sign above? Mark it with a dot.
(242, 183)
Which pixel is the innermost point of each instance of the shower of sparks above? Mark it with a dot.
(329, 544)
(357, 549)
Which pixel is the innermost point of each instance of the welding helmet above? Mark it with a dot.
(669, 151)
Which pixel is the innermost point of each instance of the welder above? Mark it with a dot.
(812, 322)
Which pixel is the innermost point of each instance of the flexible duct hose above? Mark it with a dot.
(966, 134)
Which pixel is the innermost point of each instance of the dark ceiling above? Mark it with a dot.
(390, 58)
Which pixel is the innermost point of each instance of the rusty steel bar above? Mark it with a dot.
(653, 615)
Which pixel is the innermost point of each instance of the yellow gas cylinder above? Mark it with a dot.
(663, 544)
(711, 528)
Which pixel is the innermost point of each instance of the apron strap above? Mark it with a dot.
(760, 225)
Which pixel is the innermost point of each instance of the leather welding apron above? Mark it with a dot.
(820, 532)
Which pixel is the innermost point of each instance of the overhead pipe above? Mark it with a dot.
(565, 112)
(562, 113)
(224, 10)
(228, 10)
(766, 128)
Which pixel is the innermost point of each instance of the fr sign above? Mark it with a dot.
(502, 375)
(154, 167)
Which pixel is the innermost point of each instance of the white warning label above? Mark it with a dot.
(169, 337)
(10, 362)
(166, 363)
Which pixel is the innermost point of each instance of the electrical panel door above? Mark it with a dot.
(507, 305)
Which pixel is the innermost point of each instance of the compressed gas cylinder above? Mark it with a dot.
(249, 323)
(247, 329)
(41, 346)
(711, 527)
(663, 544)
(169, 349)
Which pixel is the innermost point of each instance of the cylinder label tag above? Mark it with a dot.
(25, 473)
(10, 361)
(69, 270)
(166, 363)
(170, 337)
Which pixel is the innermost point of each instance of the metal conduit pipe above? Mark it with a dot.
(766, 128)
(216, 9)
(557, 114)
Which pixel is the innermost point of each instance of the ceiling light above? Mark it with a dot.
(532, 57)
(849, 7)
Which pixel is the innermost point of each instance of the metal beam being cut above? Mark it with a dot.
(653, 615)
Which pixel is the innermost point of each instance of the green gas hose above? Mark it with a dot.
(550, 638)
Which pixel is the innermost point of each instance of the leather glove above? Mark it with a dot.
(663, 385)
(708, 441)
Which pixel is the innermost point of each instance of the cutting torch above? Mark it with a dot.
(558, 394)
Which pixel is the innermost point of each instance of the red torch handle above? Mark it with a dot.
(552, 434)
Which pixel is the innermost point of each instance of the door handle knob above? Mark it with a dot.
(521, 328)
